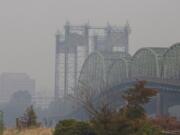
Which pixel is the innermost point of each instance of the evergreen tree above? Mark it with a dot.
(31, 117)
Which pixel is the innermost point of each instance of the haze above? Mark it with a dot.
(27, 29)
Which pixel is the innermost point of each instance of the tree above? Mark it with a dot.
(134, 111)
(31, 117)
(16, 106)
(96, 103)
(136, 98)
(1, 123)
(131, 119)
(167, 123)
(73, 127)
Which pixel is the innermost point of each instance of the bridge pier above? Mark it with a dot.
(166, 99)
(162, 105)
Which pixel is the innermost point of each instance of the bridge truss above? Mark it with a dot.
(102, 71)
(117, 67)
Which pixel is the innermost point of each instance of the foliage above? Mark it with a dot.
(1, 123)
(134, 111)
(31, 117)
(73, 127)
(120, 124)
(147, 128)
(130, 119)
(136, 98)
(28, 120)
(167, 123)
(139, 95)
(16, 106)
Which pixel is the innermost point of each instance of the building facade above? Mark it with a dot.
(13, 82)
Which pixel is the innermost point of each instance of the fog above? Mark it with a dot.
(27, 29)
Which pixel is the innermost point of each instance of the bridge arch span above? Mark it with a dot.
(93, 71)
(118, 72)
(171, 63)
(101, 69)
(147, 62)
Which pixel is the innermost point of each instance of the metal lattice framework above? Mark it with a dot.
(93, 71)
(117, 67)
(171, 61)
(74, 46)
(147, 62)
(102, 69)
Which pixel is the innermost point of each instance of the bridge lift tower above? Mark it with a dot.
(76, 44)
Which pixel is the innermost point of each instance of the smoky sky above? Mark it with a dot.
(27, 29)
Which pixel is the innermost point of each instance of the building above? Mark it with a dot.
(76, 44)
(13, 82)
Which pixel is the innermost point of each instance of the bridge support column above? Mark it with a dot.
(162, 104)
(158, 100)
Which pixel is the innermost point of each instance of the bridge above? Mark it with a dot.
(117, 71)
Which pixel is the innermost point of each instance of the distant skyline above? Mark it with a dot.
(28, 27)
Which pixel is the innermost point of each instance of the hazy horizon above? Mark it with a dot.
(27, 29)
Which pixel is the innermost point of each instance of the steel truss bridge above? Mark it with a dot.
(117, 71)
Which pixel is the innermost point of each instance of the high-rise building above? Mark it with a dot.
(13, 82)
